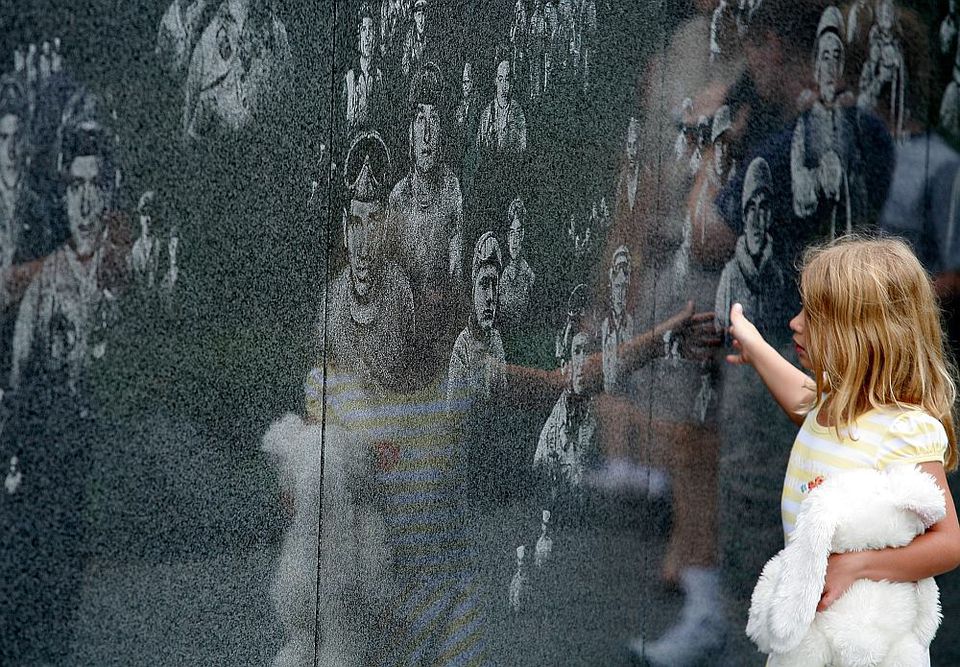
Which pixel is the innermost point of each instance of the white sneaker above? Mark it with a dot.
(699, 635)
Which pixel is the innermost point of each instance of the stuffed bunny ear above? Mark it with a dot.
(800, 586)
(917, 491)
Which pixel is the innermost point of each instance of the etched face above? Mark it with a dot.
(368, 37)
(485, 296)
(515, 237)
(619, 283)
(419, 20)
(829, 69)
(503, 81)
(756, 222)
(578, 357)
(359, 224)
(426, 138)
(86, 201)
(721, 155)
(9, 142)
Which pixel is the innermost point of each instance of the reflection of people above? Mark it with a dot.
(754, 277)
(568, 440)
(516, 283)
(425, 219)
(477, 367)
(363, 87)
(241, 62)
(503, 126)
(617, 326)
(825, 155)
(892, 404)
(74, 281)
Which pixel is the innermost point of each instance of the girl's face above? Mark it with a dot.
(798, 325)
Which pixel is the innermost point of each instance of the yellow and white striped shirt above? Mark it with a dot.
(879, 438)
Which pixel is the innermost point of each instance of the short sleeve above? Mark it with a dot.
(914, 437)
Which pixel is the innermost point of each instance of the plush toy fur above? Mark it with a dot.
(353, 564)
(873, 623)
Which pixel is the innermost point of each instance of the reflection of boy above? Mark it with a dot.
(477, 366)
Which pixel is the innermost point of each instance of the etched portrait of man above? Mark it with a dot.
(363, 85)
(415, 42)
(503, 125)
(617, 327)
(516, 283)
(827, 181)
(425, 218)
(73, 286)
(477, 369)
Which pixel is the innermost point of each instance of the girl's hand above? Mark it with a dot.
(745, 336)
(842, 571)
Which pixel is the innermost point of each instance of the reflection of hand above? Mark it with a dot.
(830, 175)
(745, 336)
(696, 333)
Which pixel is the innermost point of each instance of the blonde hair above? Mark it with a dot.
(874, 333)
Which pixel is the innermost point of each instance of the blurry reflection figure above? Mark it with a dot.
(74, 286)
(617, 327)
(884, 73)
(240, 65)
(948, 29)
(415, 42)
(754, 277)
(568, 440)
(371, 304)
(478, 370)
(363, 86)
(425, 219)
(178, 33)
(516, 283)
(825, 154)
(503, 125)
(537, 49)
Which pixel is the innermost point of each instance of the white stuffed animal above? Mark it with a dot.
(873, 623)
(353, 564)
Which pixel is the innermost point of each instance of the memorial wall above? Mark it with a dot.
(393, 332)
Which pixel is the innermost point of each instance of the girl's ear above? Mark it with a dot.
(800, 586)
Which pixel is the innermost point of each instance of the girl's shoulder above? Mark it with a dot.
(910, 435)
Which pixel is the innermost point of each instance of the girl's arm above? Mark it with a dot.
(935, 552)
(792, 388)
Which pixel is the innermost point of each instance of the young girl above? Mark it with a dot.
(882, 393)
